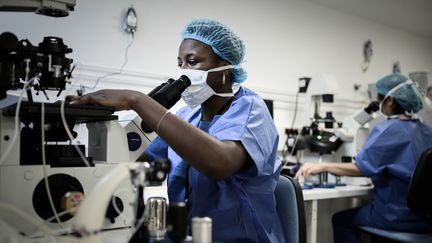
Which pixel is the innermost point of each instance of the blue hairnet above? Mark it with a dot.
(224, 42)
(408, 96)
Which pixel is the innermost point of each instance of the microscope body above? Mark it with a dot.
(69, 179)
(317, 137)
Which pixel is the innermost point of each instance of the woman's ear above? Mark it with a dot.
(391, 104)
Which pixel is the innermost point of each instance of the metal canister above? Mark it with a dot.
(177, 222)
(156, 208)
(201, 230)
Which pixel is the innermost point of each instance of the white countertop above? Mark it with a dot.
(337, 192)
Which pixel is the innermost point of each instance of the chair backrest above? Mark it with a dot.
(290, 207)
(419, 196)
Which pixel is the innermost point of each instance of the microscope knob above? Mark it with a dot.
(114, 211)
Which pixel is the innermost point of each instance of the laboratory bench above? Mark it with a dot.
(322, 203)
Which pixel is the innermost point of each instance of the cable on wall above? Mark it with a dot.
(130, 26)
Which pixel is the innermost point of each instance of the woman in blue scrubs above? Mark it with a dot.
(222, 146)
(388, 157)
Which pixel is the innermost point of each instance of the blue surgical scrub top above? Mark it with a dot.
(242, 207)
(389, 157)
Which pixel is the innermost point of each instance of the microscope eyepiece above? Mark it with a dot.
(155, 90)
(185, 81)
(168, 94)
(372, 107)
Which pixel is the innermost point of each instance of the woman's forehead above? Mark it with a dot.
(190, 46)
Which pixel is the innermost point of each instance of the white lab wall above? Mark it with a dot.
(285, 40)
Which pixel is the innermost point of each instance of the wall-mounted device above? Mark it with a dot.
(131, 20)
(396, 67)
(367, 55)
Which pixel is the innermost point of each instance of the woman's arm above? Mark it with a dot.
(216, 159)
(336, 168)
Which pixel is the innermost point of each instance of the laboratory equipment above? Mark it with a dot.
(155, 215)
(89, 218)
(44, 67)
(53, 8)
(37, 149)
(365, 115)
(319, 136)
(177, 222)
(168, 94)
(201, 230)
(139, 135)
(34, 134)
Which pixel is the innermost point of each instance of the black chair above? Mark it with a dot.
(419, 200)
(290, 207)
(419, 197)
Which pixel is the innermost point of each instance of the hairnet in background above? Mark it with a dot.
(408, 95)
(224, 42)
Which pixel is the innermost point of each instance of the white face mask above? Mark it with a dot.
(199, 91)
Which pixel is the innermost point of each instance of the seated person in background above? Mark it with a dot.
(388, 157)
(223, 146)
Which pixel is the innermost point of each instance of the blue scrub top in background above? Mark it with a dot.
(389, 157)
(242, 207)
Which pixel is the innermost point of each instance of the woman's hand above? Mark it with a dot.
(117, 99)
(309, 169)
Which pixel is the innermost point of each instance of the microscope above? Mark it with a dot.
(318, 137)
(42, 173)
(51, 175)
